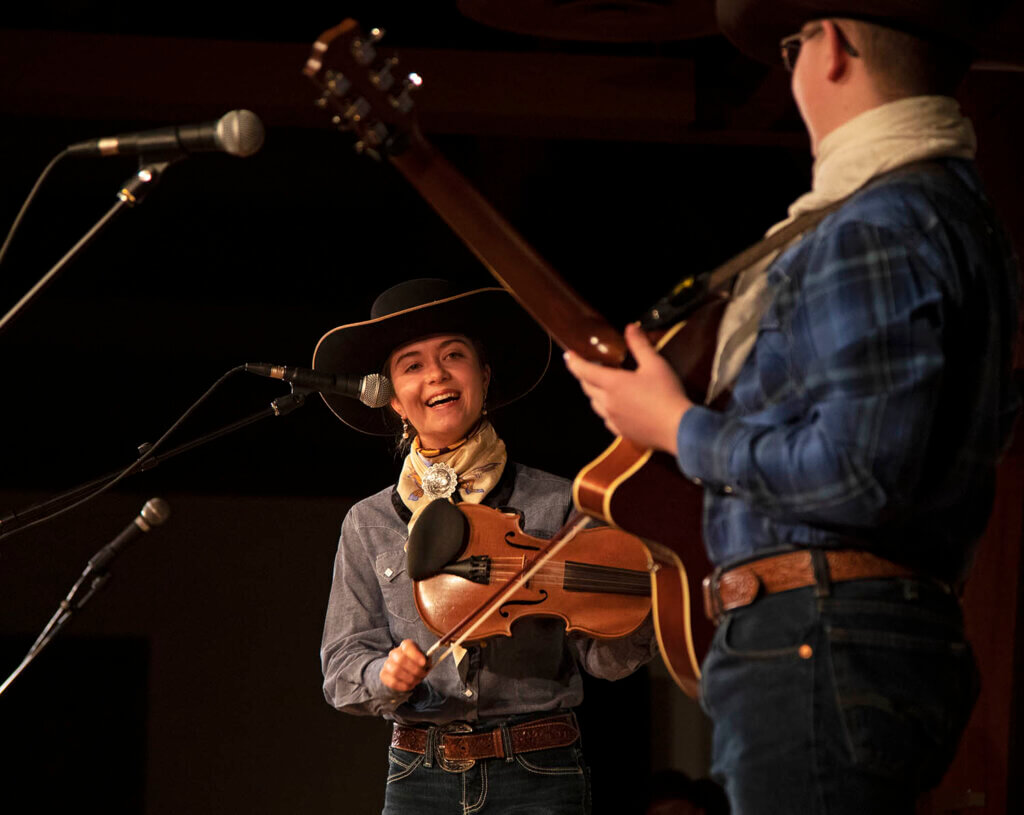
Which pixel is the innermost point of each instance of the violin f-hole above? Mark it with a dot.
(543, 598)
(512, 534)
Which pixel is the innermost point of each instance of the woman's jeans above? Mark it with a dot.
(843, 699)
(541, 782)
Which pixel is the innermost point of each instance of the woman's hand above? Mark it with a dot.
(405, 668)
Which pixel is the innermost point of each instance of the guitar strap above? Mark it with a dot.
(694, 290)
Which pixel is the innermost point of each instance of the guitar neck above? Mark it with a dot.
(572, 323)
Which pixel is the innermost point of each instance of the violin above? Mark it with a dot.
(598, 585)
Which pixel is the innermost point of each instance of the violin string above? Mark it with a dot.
(583, 576)
(559, 576)
(578, 584)
(577, 568)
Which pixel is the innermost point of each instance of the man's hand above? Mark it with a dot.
(405, 668)
(644, 405)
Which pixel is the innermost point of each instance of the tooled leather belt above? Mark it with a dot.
(538, 734)
(740, 586)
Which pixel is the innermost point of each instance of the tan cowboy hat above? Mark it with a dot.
(517, 349)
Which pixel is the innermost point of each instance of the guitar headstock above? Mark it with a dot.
(362, 89)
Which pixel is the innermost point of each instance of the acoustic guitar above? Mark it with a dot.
(639, 490)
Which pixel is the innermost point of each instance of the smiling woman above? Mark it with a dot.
(495, 725)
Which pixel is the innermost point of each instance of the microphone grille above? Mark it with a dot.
(240, 132)
(376, 391)
(156, 511)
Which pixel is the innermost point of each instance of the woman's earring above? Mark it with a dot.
(405, 428)
(484, 411)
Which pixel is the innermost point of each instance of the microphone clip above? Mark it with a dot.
(135, 189)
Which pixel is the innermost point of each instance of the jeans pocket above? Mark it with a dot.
(401, 764)
(902, 700)
(750, 638)
(555, 761)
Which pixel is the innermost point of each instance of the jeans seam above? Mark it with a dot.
(408, 769)
(887, 639)
(482, 799)
(533, 768)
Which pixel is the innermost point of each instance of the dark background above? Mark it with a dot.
(192, 682)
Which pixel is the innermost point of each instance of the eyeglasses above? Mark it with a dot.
(791, 45)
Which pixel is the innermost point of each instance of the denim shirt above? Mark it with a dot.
(878, 397)
(371, 610)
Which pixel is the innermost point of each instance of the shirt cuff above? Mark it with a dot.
(703, 443)
(389, 698)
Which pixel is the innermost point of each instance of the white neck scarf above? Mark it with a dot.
(874, 142)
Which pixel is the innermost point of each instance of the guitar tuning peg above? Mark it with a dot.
(357, 111)
(401, 103)
(364, 150)
(376, 134)
(337, 83)
(383, 79)
(363, 51)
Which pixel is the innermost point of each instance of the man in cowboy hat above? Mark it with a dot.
(865, 370)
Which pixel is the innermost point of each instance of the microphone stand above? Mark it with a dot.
(279, 407)
(132, 192)
(98, 569)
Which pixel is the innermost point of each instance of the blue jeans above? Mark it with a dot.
(851, 702)
(541, 782)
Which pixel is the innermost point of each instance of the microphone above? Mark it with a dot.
(373, 390)
(237, 132)
(154, 513)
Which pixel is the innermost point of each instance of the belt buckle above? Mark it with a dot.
(452, 765)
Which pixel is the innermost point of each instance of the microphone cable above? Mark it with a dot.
(135, 466)
(31, 196)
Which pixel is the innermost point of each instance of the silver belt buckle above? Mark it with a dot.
(452, 765)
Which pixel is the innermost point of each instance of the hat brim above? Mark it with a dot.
(755, 27)
(517, 349)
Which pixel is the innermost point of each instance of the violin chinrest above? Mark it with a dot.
(439, 534)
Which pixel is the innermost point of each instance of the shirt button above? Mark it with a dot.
(468, 692)
(388, 572)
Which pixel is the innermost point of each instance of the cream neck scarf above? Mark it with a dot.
(477, 463)
(876, 141)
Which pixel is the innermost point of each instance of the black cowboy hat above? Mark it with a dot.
(517, 349)
(756, 26)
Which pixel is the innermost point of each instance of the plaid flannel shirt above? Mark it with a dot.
(879, 394)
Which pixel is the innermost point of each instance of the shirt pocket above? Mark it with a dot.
(773, 352)
(395, 586)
